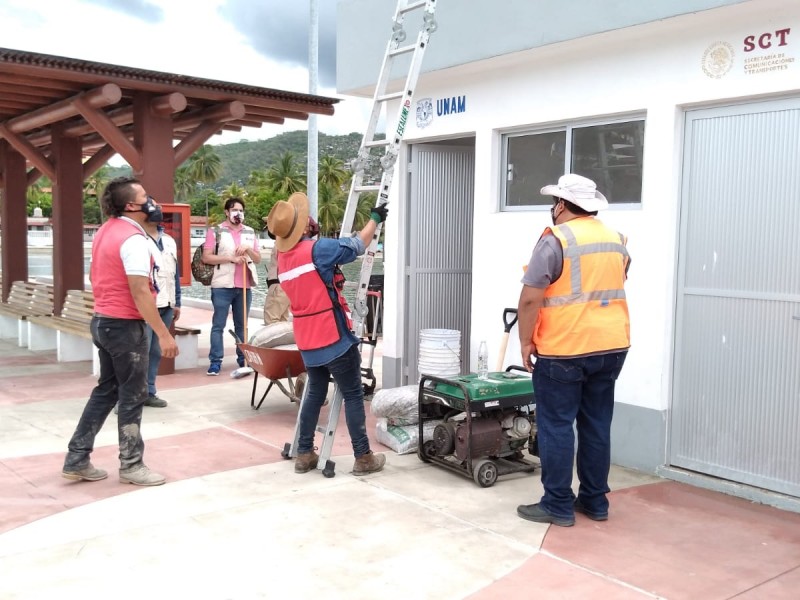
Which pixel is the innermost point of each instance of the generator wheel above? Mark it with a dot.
(428, 449)
(484, 472)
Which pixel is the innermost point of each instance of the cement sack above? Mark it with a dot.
(272, 335)
(405, 439)
(399, 404)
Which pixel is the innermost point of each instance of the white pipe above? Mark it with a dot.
(313, 140)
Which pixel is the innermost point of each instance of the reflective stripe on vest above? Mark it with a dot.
(585, 311)
(314, 320)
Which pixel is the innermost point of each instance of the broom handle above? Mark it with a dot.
(244, 305)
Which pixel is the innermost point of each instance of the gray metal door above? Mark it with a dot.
(736, 400)
(439, 257)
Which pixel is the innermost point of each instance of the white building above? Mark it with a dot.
(687, 115)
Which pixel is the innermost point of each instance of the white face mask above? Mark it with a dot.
(237, 216)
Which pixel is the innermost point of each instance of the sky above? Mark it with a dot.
(254, 42)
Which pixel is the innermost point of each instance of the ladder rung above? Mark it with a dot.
(403, 50)
(376, 143)
(412, 6)
(366, 188)
(392, 96)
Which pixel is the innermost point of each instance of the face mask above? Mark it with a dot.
(237, 216)
(153, 211)
(553, 213)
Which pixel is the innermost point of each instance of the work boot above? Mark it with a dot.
(87, 473)
(305, 462)
(141, 475)
(537, 514)
(369, 463)
(155, 401)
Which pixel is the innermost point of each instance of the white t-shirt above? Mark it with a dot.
(135, 253)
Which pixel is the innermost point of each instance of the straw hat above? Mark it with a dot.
(288, 220)
(578, 190)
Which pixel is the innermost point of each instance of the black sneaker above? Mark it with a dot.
(155, 401)
(592, 515)
(535, 513)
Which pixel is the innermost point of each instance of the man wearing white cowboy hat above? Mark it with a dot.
(321, 327)
(573, 318)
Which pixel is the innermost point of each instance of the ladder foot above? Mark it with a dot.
(329, 471)
(286, 452)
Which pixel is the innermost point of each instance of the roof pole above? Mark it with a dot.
(313, 75)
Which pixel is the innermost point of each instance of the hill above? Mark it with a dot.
(241, 158)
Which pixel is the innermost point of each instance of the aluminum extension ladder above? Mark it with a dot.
(394, 49)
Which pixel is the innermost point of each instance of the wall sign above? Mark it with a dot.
(763, 52)
(427, 108)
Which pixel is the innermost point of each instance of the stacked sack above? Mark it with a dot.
(398, 419)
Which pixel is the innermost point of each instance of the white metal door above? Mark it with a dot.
(439, 257)
(736, 401)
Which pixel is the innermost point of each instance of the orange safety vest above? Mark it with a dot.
(584, 310)
(314, 321)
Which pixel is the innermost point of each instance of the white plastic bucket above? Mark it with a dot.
(439, 352)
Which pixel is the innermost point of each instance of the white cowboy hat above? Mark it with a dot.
(578, 190)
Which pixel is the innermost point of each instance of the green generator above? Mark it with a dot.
(486, 425)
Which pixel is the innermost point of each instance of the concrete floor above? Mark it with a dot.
(235, 522)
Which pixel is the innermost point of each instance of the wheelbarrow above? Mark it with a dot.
(275, 364)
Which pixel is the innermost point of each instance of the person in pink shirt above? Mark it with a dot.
(237, 254)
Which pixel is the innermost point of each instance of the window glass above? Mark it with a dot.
(611, 154)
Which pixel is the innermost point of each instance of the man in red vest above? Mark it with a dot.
(321, 327)
(573, 317)
(123, 282)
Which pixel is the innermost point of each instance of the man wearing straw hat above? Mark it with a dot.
(234, 277)
(573, 318)
(321, 329)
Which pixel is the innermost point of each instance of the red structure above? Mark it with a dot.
(64, 118)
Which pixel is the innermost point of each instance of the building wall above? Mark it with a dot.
(656, 70)
(471, 30)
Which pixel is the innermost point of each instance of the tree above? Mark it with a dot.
(330, 210)
(37, 196)
(185, 184)
(285, 177)
(205, 165)
(332, 172)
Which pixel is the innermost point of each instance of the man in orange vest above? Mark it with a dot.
(573, 318)
(321, 326)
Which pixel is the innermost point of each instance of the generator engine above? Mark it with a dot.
(495, 433)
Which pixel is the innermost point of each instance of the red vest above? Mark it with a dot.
(314, 320)
(112, 294)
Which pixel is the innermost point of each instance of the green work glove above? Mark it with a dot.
(379, 214)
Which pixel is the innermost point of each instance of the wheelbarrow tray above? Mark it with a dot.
(275, 364)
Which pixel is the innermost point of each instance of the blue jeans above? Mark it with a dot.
(167, 314)
(224, 299)
(346, 372)
(581, 391)
(122, 345)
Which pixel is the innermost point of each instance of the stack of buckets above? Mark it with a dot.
(439, 352)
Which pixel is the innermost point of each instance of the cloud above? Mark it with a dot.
(278, 29)
(141, 9)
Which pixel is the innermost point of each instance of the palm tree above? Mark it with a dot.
(205, 165)
(365, 204)
(332, 172)
(330, 210)
(185, 184)
(285, 177)
(234, 190)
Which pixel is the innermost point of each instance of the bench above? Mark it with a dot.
(73, 338)
(25, 299)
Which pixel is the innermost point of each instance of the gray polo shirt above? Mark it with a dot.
(546, 264)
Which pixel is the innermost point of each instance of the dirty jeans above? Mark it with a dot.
(346, 372)
(154, 360)
(123, 349)
(580, 391)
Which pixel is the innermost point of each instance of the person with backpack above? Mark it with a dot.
(233, 250)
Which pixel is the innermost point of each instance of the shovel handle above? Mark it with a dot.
(509, 324)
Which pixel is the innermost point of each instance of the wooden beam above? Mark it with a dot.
(274, 112)
(192, 142)
(33, 176)
(220, 113)
(102, 96)
(98, 159)
(246, 123)
(29, 151)
(168, 104)
(110, 133)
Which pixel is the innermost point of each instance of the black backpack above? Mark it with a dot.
(202, 272)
